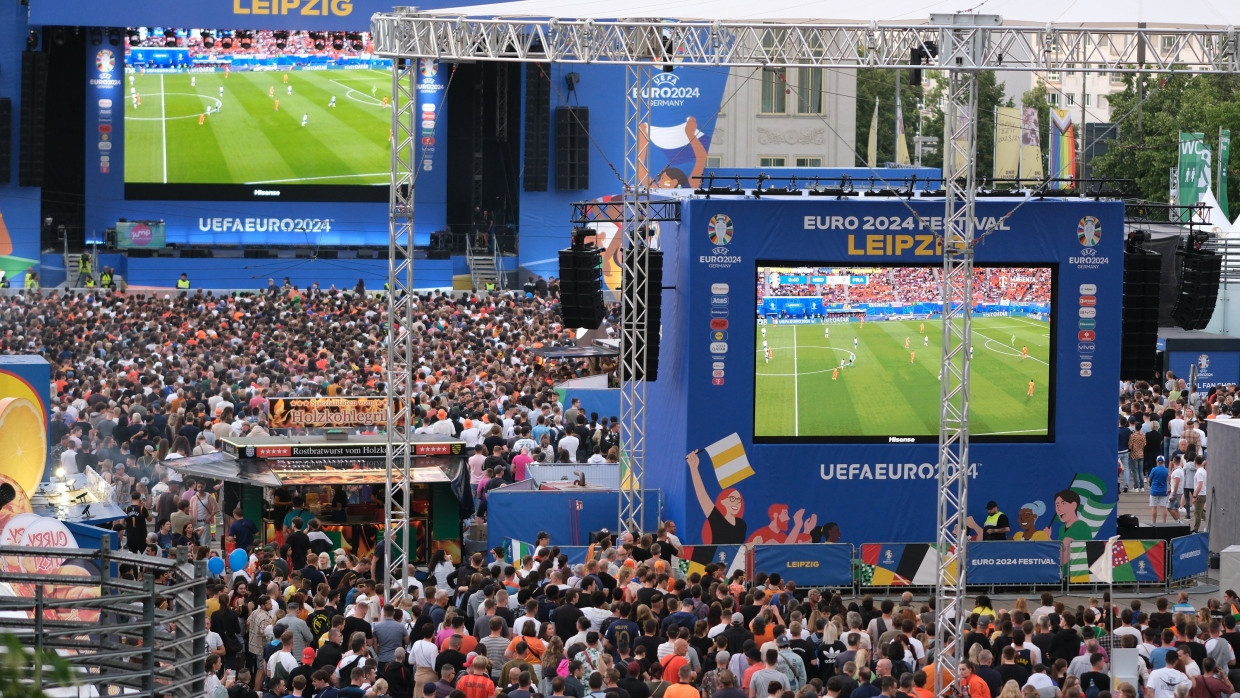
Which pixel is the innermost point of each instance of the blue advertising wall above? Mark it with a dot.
(876, 491)
(19, 206)
(1213, 367)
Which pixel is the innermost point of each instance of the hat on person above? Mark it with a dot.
(442, 414)
(149, 448)
(429, 688)
(782, 641)
(738, 618)
(307, 656)
(1160, 459)
(469, 424)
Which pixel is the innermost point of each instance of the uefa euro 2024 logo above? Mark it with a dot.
(105, 60)
(1203, 362)
(1089, 231)
(719, 229)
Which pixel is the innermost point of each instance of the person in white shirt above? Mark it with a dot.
(470, 434)
(1163, 681)
(284, 656)
(1199, 496)
(570, 443)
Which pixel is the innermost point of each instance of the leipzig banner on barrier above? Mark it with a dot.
(1013, 562)
(809, 564)
(1190, 556)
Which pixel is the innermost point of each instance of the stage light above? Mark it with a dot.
(114, 37)
(208, 40)
(32, 40)
(281, 39)
(96, 36)
(337, 42)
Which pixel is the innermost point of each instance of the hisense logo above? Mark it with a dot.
(266, 192)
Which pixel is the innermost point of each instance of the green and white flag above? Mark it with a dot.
(1194, 173)
(1224, 154)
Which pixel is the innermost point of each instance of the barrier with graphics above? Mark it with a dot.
(808, 564)
(1013, 562)
(1190, 556)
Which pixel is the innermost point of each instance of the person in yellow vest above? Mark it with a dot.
(105, 277)
(32, 278)
(183, 282)
(84, 265)
(88, 281)
(996, 526)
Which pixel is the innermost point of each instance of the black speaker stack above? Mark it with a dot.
(33, 116)
(572, 148)
(644, 281)
(537, 126)
(581, 287)
(1139, 318)
(1199, 279)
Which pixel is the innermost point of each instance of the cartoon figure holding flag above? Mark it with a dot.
(724, 525)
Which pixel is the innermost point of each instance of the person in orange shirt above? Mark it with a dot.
(534, 647)
(683, 688)
(972, 685)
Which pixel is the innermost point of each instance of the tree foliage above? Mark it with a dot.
(989, 96)
(17, 675)
(1148, 143)
(874, 83)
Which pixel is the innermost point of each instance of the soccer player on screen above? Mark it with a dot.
(1013, 340)
(286, 78)
(906, 342)
(768, 354)
(271, 91)
(1024, 352)
(764, 332)
(131, 80)
(277, 105)
(221, 90)
(854, 342)
(305, 118)
(193, 81)
(826, 332)
(835, 374)
(912, 357)
(290, 89)
(925, 340)
(1029, 393)
(922, 328)
(332, 103)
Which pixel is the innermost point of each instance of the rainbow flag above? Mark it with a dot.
(1061, 161)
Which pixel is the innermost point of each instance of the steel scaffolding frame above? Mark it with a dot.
(964, 45)
(401, 344)
(634, 294)
(961, 43)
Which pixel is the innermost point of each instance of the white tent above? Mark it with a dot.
(1187, 15)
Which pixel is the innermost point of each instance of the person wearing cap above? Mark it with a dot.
(476, 683)
(790, 662)
(306, 668)
(996, 526)
(737, 634)
(1159, 484)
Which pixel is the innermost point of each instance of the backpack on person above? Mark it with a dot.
(281, 672)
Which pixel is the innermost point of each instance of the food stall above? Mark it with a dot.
(341, 481)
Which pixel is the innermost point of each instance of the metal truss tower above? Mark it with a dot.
(961, 45)
(399, 539)
(635, 294)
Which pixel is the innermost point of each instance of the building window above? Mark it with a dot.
(774, 91)
(713, 161)
(772, 161)
(809, 90)
(1166, 43)
(809, 162)
(1052, 99)
(1117, 78)
(1052, 77)
(1071, 98)
(1088, 101)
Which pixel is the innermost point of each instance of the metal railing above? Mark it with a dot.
(126, 624)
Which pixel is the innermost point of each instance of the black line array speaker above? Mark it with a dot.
(537, 126)
(34, 99)
(647, 280)
(1199, 280)
(1139, 319)
(6, 140)
(581, 287)
(572, 148)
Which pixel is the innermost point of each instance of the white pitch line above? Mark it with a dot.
(163, 124)
(1016, 354)
(796, 405)
(309, 179)
(349, 91)
(1017, 431)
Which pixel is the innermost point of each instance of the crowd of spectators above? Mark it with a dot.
(261, 42)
